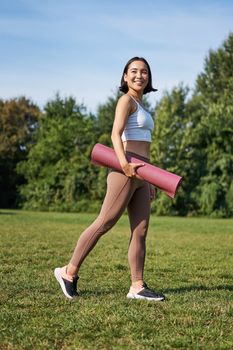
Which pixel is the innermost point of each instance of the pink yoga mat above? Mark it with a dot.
(164, 180)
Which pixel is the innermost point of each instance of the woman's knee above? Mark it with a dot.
(104, 225)
(141, 230)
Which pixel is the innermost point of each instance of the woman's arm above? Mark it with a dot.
(122, 112)
(123, 109)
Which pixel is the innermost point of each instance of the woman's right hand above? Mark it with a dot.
(130, 169)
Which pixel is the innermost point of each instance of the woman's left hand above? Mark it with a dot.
(152, 192)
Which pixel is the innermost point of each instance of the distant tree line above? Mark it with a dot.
(45, 154)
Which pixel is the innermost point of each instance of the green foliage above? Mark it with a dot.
(215, 90)
(166, 150)
(169, 126)
(18, 122)
(58, 169)
(216, 82)
(193, 137)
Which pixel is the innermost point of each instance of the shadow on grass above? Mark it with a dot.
(226, 287)
(7, 213)
(86, 293)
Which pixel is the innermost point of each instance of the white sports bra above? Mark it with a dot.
(139, 125)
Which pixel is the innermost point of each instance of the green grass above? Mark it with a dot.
(189, 259)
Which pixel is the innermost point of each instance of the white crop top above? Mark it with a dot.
(139, 125)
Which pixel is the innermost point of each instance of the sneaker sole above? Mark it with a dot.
(57, 274)
(136, 296)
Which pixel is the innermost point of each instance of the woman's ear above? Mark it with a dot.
(125, 78)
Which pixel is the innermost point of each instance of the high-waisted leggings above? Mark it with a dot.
(122, 192)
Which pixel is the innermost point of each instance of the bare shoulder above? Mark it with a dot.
(125, 101)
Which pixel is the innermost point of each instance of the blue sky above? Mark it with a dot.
(80, 47)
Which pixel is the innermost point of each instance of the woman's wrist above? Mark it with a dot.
(127, 169)
(124, 164)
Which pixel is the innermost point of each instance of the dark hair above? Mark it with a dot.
(124, 86)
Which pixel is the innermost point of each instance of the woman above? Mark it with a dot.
(131, 134)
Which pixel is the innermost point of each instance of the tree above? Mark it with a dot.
(193, 137)
(18, 123)
(214, 88)
(170, 126)
(215, 83)
(58, 169)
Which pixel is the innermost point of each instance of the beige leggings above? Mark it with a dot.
(122, 192)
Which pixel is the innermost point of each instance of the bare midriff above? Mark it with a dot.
(141, 148)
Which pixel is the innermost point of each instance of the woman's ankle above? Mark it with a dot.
(136, 286)
(71, 270)
(68, 273)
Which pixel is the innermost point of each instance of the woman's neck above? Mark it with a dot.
(137, 96)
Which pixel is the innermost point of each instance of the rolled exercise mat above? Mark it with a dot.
(167, 182)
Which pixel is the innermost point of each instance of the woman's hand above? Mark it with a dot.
(130, 169)
(152, 192)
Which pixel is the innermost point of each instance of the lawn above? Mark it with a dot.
(189, 259)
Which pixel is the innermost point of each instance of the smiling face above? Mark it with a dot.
(137, 76)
